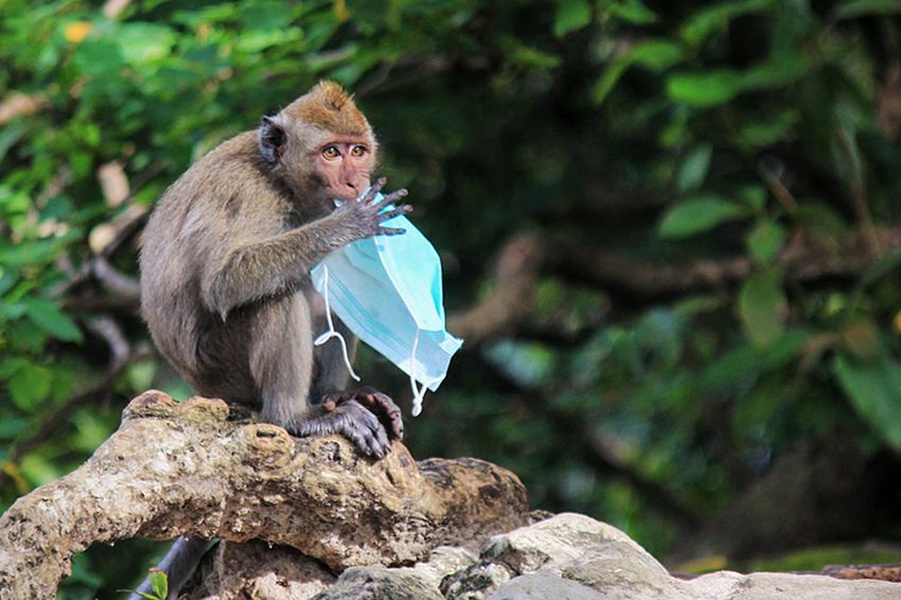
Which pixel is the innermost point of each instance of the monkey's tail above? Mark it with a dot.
(179, 564)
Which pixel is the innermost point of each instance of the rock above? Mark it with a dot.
(769, 586)
(258, 571)
(362, 583)
(474, 582)
(545, 585)
(567, 556)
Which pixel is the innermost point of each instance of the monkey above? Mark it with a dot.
(225, 265)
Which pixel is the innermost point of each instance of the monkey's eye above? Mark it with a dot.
(331, 152)
(358, 151)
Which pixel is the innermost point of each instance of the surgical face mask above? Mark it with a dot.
(387, 290)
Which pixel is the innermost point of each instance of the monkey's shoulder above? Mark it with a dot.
(229, 181)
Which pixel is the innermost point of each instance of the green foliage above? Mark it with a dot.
(763, 307)
(698, 215)
(873, 389)
(159, 586)
(704, 133)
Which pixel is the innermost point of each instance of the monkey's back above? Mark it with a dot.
(219, 203)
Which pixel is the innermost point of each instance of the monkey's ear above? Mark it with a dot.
(272, 141)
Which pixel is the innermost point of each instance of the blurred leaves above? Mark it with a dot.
(763, 306)
(698, 215)
(873, 388)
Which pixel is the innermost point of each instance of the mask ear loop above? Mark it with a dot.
(418, 392)
(332, 333)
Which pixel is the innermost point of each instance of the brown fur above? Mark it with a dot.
(329, 107)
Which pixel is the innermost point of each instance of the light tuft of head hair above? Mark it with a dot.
(329, 107)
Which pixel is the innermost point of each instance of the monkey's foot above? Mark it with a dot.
(381, 405)
(347, 416)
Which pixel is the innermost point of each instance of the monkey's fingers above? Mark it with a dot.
(404, 209)
(390, 199)
(354, 422)
(363, 428)
(390, 231)
(373, 190)
(384, 407)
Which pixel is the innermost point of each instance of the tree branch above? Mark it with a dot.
(525, 258)
(175, 469)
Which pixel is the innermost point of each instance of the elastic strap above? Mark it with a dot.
(332, 333)
(418, 391)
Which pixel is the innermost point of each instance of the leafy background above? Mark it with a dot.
(670, 234)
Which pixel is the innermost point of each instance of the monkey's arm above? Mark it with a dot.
(266, 268)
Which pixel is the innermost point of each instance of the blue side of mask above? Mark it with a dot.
(387, 290)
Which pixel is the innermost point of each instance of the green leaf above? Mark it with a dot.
(257, 41)
(527, 56)
(694, 169)
(706, 88)
(100, 58)
(704, 23)
(763, 131)
(572, 15)
(30, 385)
(608, 79)
(749, 360)
(762, 307)
(11, 366)
(143, 43)
(754, 196)
(32, 253)
(10, 134)
(48, 317)
(757, 410)
(857, 8)
(159, 583)
(775, 72)
(698, 215)
(632, 11)
(820, 221)
(872, 388)
(766, 240)
(140, 374)
(656, 55)
(266, 15)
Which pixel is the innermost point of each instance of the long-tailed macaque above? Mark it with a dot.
(225, 283)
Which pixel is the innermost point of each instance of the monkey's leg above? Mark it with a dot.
(331, 375)
(281, 361)
(331, 371)
(178, 565)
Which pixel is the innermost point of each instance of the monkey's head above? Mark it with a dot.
(321, 145)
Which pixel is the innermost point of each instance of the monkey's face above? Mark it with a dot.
(344, 167)
(321, 146)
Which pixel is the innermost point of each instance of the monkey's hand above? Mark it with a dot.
(365, 417)
(368, 215)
